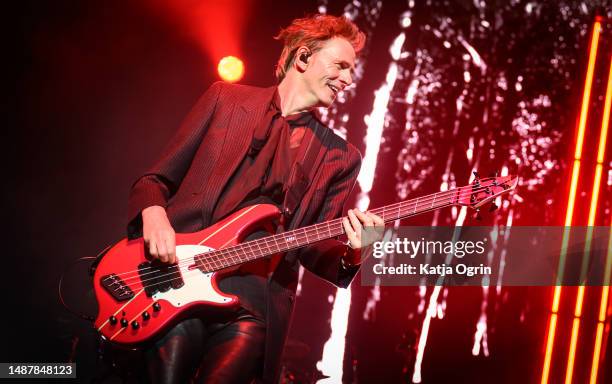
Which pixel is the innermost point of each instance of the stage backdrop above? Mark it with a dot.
(442, 89)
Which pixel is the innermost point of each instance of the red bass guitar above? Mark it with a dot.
(137, 299)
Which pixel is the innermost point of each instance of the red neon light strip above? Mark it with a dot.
(608, 268)
(571, 201)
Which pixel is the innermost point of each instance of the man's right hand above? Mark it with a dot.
(158, 234)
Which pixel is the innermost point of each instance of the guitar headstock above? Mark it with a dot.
(484, 190)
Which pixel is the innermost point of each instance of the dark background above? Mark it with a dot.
(102, 85)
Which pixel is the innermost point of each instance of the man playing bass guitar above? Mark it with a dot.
(241, 146)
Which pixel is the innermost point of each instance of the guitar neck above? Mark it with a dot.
(301, 237)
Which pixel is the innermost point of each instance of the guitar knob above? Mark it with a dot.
(145, 315)
(112, 319)
(135, 324)
(124, 323)
(156, 307)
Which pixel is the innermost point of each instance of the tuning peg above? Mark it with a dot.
(478, 216)
(493, 207)
(476, 179)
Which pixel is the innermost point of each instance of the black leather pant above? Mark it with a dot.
(228, 352)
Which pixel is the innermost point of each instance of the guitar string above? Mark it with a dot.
(209, 259)
(282, 237)
(190, 274)
(206, 261)
(269, 248)
(313, 228)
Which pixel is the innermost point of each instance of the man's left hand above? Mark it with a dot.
(353, 225)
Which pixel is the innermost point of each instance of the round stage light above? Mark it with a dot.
(230, 68)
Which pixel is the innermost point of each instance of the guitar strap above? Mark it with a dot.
(303, 170)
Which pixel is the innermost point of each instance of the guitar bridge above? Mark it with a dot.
(116, 287)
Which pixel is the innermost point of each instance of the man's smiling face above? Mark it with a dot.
(330, 70)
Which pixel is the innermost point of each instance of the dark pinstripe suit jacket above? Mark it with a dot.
(197, 164)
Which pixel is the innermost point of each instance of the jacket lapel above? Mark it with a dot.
(239, 133)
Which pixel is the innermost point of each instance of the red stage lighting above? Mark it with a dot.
(230, 69)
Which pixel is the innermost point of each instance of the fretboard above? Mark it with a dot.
(301, 237)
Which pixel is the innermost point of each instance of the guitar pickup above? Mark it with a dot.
(176, 280)
(159, 278)
(116, 287)
(148, 278)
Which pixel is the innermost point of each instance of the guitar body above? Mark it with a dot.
(137, 300)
